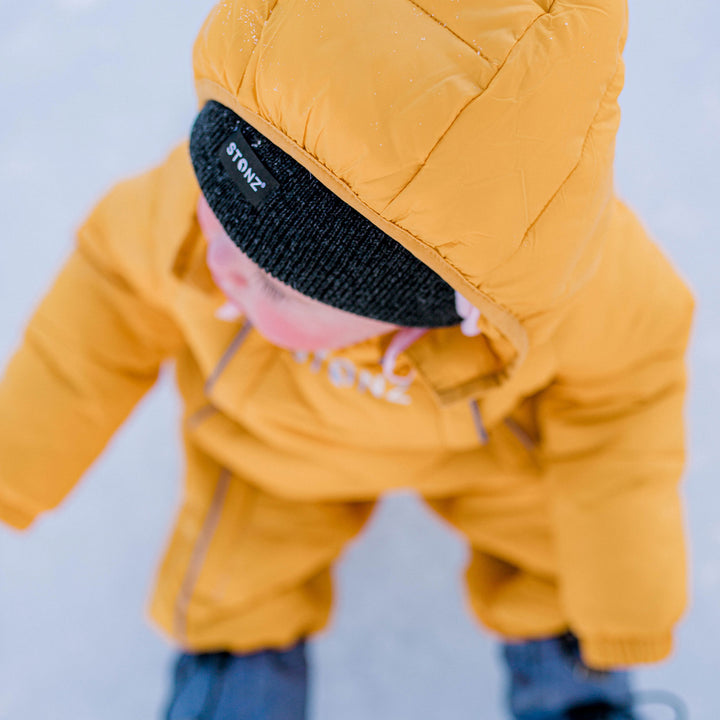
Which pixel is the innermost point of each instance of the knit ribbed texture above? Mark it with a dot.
(608, 652)
(309, 239)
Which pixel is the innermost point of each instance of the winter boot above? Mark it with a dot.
(549, 681)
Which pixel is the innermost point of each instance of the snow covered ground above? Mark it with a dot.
(93, 90)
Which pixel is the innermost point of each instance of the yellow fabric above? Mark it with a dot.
(481, 137)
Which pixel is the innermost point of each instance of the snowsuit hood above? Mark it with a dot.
(449, 127)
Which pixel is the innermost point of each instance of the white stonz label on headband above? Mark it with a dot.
(245, 170)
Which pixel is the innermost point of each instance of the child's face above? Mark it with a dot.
(282, 315)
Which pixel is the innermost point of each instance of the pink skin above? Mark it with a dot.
(282, 315)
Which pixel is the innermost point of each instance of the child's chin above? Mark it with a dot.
(292, 338)
(294, 344)
(306, 345)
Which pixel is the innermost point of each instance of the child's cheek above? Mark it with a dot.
(222, 257)
(226, 272)
(285, 329)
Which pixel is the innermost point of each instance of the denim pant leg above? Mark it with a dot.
(265, 685)
(548, 679)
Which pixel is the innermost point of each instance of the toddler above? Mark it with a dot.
(390, 256)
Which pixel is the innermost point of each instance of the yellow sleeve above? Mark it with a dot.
(91, 350)
(613, 441)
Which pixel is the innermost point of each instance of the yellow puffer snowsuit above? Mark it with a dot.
(481, 137)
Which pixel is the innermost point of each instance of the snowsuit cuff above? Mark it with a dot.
(604, 652)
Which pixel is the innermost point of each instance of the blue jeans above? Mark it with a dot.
(547, 682)
(265, 685)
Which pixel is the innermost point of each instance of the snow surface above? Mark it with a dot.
(95, 90)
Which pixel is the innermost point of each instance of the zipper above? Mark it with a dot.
(526, 441)
(232, 348)
(517, 430)
(478, 422)
(207, 410)
(200, 415)
(202, 544)
(197, 558)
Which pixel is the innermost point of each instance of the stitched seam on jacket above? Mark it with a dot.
(549, 202)
(572, 171)
(462, 110)
(197, 558)
(236, 90)
(452, 32)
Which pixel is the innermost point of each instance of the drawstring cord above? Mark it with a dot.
(407, 336)
(402, 340)
(229, 312)
(470, 315)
